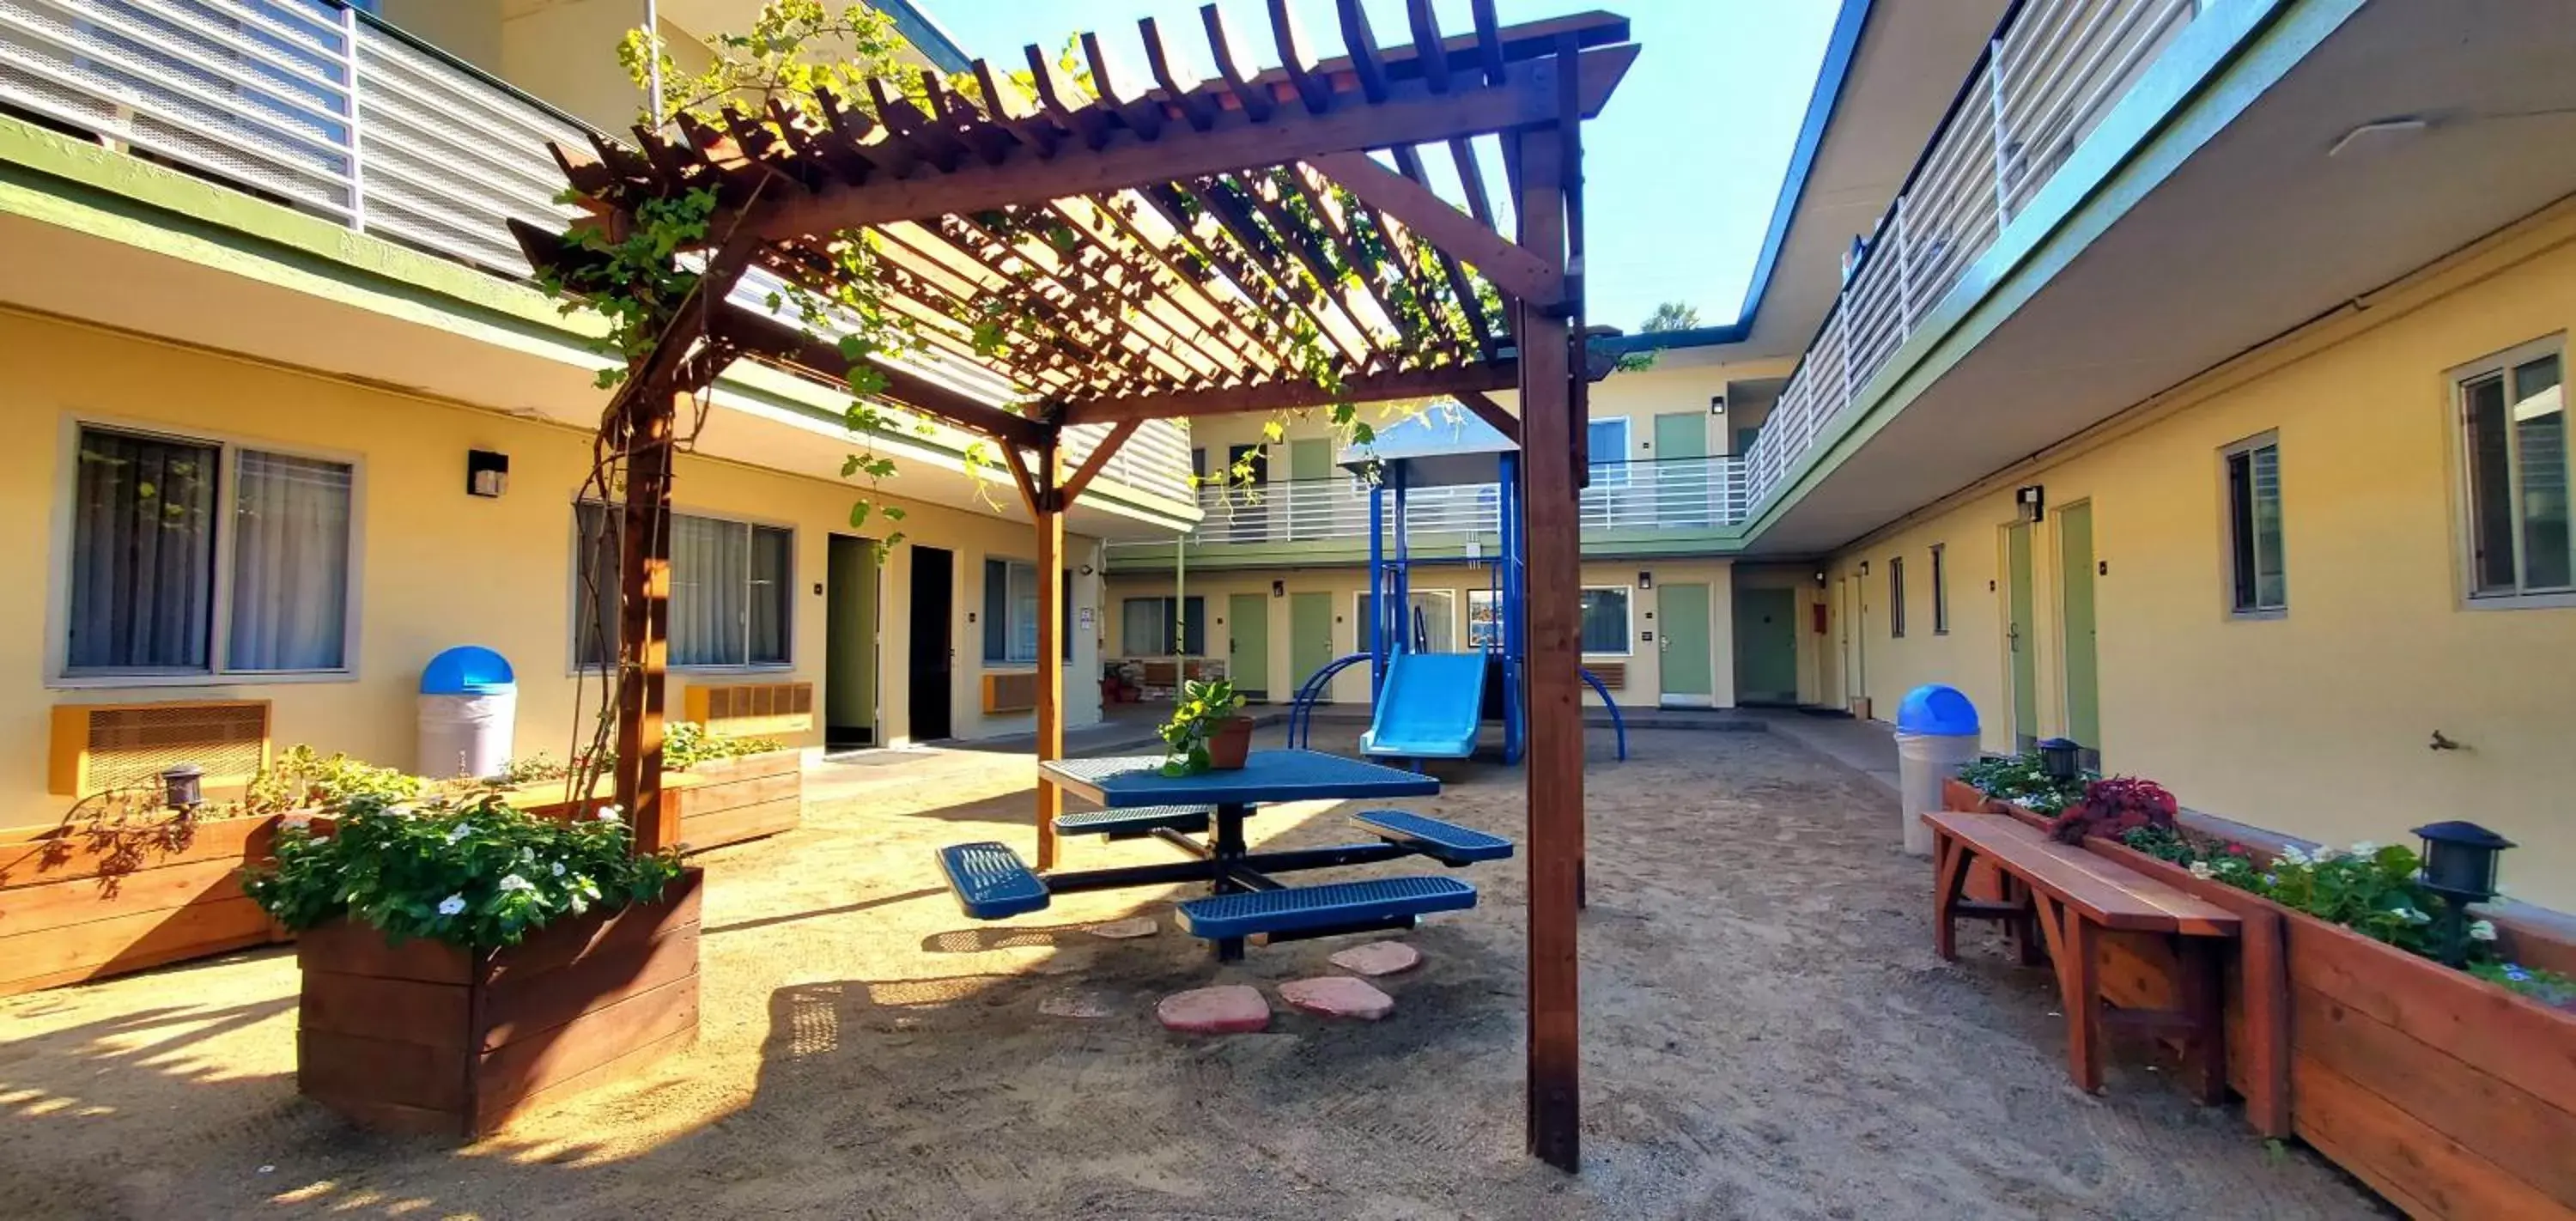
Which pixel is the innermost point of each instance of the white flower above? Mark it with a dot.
(459, 831)
(2201, 870)
(2482, 930)
(2365, 848)
(2410, 915)
(2292, 855)
(527, 853)
(515, 882)
(559, 869)
(451, 905)
(609, 813)
(2323, 854)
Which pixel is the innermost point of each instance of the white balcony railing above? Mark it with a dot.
(305, 102)
(1679, 493)
(2049, 75)
(314, 105)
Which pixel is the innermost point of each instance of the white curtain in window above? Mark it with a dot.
(290, 591)
(143, 554)
(1142, 627)
(772, 566)
(710, 577)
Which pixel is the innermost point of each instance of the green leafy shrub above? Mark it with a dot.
(2548, 987)
(2022, 780)
(301, 779)
(473, 873)
(686, 744)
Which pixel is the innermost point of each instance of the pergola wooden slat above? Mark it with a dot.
(1193, 246)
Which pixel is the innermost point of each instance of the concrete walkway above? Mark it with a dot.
(1867, 747)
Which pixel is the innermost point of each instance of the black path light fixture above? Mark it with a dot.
(183, 787)
(2060, 757)
(2460, 866)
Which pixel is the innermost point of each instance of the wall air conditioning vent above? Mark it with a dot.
(749, 710)
(1011, 692)
(1613, 674)
(100, 747)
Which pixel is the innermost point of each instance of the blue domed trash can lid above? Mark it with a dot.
(1937, 708)
(468, 669)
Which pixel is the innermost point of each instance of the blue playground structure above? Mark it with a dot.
(1432, 705)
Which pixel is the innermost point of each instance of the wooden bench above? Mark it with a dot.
(2067, 899)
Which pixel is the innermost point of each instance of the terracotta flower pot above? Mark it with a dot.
(1229, 744)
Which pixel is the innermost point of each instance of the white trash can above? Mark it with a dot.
(1936, 735)
(469, 709)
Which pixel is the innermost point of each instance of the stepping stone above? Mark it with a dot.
(1122, 930)
(1074, 1005)
(1338, 996)
(1377, 958)
(1231, 1009)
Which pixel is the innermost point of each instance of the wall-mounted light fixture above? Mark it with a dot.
(1645, 580)
(1820, 578)
(1279, 589)
(1717, 404)
(182, 787)
(487, 473)
(1086, 570)
(2032, 501)
(1864, 568)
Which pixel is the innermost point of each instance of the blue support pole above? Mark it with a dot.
(1509, 613)
(1377, 589)
(1401, 596)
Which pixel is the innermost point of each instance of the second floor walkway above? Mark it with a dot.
(1627, 507)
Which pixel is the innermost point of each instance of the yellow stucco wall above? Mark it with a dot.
(1344, 584)
(435, 567)
(2316, 723)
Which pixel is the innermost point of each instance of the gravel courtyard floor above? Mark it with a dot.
(1767, 1034)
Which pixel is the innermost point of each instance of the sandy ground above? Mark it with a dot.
(1768, 1035)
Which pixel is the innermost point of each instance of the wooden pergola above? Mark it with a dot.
(1184, 248)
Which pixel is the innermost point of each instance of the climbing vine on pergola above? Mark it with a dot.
(1125, 250)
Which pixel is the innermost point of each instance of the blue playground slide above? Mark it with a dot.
(1430, 707)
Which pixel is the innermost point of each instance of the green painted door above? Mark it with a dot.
(1681, 434)
(1312, 459)
(850, 643)
(1682, 488)
(1310, 635)
(1690, 673)
(1766, 646)
(2020, 641)
(1247, 644)
(2083, 668)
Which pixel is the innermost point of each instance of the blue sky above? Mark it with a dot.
(1682, 169)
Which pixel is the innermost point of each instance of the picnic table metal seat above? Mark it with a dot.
(1336, 907)
(1445, 842)
(1130, 824)
(991, 882)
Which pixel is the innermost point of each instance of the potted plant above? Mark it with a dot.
(465, 961)
(1207, 731)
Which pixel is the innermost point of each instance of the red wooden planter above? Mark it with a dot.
(2452, 1097)
(726, 801)
(426, 1037)
(76, 907)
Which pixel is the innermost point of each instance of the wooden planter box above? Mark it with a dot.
(2450, 1096)
(724, 802)
(74, 907)
(425, 1037)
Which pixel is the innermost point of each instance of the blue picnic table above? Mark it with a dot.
(1243, 899)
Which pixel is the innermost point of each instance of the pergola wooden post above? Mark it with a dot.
(1202, 247)
(1052, 500)
(1553, 764)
